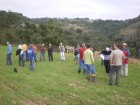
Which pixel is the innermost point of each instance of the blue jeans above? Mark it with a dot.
(81, 65)
(8, 59)
(42, 55)
(32, 64)
(114, 69)
(90, 68)
(76, 58)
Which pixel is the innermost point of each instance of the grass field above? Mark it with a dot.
(58, 83)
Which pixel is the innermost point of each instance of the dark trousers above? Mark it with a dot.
(21, 61)
(114, 69)
(102, 61)
(107, 65)
(26, 55)
(50, 55)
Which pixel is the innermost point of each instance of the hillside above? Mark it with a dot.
(15, 27)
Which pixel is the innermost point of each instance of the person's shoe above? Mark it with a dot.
(110, 84)
(79, 71)
(88, 78)
(117, 84)
(84, 71)
(93, 79)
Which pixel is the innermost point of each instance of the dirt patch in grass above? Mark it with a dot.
(36, 101)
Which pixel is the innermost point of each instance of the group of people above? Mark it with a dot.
(29, 53)
(114, 60)
(84, 57)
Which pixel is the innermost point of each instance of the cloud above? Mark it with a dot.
(94, 9)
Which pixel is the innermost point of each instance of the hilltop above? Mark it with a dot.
(15, 27)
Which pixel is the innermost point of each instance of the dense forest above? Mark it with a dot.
(16, 28)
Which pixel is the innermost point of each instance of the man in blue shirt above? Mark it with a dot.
(31, 57)
(9, 52)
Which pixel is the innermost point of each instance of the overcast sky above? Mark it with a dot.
(93, 9)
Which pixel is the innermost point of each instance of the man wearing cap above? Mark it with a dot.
(62, 50)
(50, 52)
(124, 70)
(42, 52)
(9, 52)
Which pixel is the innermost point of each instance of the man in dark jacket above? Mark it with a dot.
(106, 54)
(50, 52)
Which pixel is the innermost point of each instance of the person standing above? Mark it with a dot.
(81, 61)
(62, 50)
(24, 49)
(89, 63)
(21, 58)
(31, 56)
(76, 53)
(116, 59)
(102, 56)
(35, 50)
(50, 52)
(42, 52)
(124, 70)
(9, 52)
(106, 53)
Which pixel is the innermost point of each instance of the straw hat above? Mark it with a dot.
(124, 44)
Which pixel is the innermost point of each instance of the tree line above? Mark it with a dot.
(16, 28)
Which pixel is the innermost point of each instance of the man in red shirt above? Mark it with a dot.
(124, 71)
(42, 52)
(81, 61)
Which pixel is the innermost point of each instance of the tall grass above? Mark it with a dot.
(58, 83)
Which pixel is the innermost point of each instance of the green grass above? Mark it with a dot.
(58, 83)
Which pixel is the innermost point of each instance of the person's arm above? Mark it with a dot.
(123, 57)
(64, 48)
(111, 56)
(128, 53)
(92, 58)
(9, 49)
(84, 56)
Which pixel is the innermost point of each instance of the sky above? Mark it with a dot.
(92, 9)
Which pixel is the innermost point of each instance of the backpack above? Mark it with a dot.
(18, 52)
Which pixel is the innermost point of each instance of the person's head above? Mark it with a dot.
(83, 45)
(43, 44)
(124, 45)
(7, 43)
(107, 49)
(31, 45)
(88, 45)
(60, 44)
(50, 45)
(115, 46)
(23, 43)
